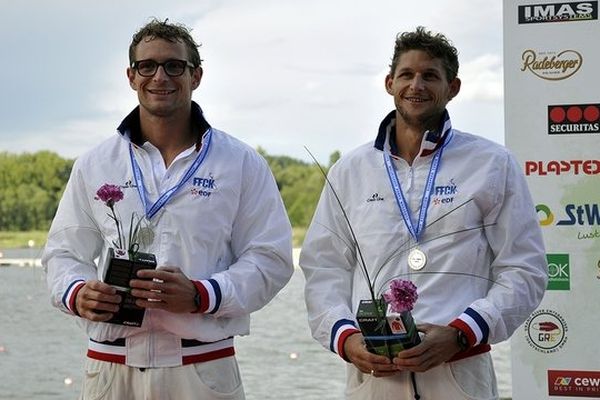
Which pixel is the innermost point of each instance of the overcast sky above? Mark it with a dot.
(280, 74)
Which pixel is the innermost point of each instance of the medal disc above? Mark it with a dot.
(416, 259)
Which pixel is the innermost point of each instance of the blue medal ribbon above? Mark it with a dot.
(415, 232)
(151, 210)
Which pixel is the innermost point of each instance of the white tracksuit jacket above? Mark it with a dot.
(494, 237)
(226, 227)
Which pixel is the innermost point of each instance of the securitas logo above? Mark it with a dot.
(444, 194)
(562, 167)
(586, 216)
(558, 12)
(574, 383)
(546, 331)
(559, 272)
(574, 119)
(552, 65)
(203, 187)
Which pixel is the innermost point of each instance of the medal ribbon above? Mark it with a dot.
(415, 232)
(152, 209)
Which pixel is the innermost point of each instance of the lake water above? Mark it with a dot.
(42, 350)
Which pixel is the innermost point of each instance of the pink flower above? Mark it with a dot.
(401, 296)
(109, 194)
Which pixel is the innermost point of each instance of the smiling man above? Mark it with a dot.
(454, 216)
(204, 205)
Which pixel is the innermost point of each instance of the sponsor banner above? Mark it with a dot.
(546, 331)
(558, 12)
(552, 125)
(573, 119)
(564, 167)
(550, 64)
(559, 272)
(574, 383)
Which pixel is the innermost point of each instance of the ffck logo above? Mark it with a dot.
(444, 194)
(203, 187)
(558, 12)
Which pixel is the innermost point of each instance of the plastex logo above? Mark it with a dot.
(574, 383)
(558, 12)
(573, 119)
(552, 65)
(562, 167)
(559, 272)
(546, 331)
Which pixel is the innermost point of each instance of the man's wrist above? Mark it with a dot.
(462, 340)
(197, 300)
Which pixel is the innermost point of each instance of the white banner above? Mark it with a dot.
(552, 114)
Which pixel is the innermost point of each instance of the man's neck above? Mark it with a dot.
(408, 141)
(170, 136)
(409, 137)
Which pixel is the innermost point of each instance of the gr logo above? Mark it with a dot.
(559, 272)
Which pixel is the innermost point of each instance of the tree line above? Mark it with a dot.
(31, 185)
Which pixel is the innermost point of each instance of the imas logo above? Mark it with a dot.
(546, 331)
(573, 119)
(574, 383)
(558, 12)
(444, 194)
(575, 215)
(203, 187)
(552, 65)
(559, 272)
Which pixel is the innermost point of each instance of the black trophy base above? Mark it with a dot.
(118, 274)
(386, 333)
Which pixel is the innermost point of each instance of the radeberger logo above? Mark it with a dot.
(546, 331)
(574, 383)
(551, 65)
(570, 119)
(558, 12)
(559, 272)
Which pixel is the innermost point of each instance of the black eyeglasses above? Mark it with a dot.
(173, 68)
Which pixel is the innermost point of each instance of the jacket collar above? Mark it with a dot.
(130, 126)
(431, 142)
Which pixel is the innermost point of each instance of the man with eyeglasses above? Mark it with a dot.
(211, 214)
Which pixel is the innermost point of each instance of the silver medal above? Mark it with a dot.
(416, 259)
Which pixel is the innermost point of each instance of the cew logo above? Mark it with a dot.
(574, 383)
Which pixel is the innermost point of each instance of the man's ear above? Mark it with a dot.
(454, 88)
(197, 77)
(389, 80)
(131, 78)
